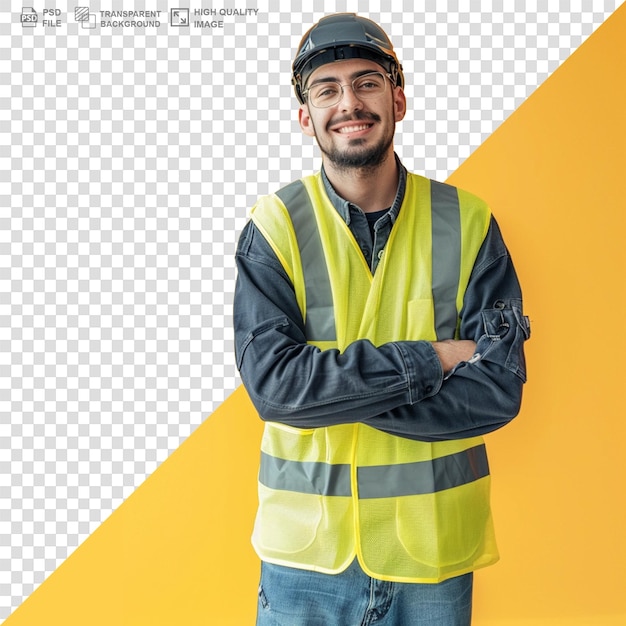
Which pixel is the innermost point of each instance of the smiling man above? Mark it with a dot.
(379, 333)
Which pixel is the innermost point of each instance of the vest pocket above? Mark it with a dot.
(420, 320)
(445, 530)
(288, 522)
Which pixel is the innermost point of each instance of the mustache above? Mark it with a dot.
(359, 116)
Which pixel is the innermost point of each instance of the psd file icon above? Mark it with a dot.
(29, 17)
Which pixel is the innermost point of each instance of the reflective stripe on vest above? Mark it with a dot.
(446, 229)
(377, 481)
(320, 321)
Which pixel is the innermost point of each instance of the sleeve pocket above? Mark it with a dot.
(271, 324)
(506, 329)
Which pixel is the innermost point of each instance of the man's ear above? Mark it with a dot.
(399, 103)
(306, 123)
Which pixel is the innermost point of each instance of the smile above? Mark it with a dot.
(353, 129)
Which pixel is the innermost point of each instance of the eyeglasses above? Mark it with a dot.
(326, 94)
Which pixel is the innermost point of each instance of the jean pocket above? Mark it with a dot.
(263, 603)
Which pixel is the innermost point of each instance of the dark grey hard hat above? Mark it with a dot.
(343, 36)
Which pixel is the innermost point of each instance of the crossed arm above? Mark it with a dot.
(415, 389)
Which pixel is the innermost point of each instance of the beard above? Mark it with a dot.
(367, 158)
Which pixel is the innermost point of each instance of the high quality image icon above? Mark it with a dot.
(179, 17)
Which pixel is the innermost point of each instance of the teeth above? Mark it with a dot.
(353, 129)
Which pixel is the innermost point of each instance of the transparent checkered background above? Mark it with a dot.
(129, 160)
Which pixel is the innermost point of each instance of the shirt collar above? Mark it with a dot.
(343, 206)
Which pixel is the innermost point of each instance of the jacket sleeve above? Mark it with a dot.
(397, 387)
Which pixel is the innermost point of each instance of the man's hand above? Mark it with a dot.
(451, 352)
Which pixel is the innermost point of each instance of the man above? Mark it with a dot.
(379, 333)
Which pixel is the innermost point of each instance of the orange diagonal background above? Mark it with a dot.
(177, 552)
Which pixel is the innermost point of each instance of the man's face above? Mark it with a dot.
(353, 133)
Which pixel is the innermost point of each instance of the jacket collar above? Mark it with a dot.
(344, 207)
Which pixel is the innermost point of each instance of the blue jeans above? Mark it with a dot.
(293, 597)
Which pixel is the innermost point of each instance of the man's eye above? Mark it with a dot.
(326, 92)
(370, 84)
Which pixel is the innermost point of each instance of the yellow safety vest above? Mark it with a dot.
(410, 511)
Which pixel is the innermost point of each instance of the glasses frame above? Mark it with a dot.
(305, 93)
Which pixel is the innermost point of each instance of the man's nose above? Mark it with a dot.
(349, 100)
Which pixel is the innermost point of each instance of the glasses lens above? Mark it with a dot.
(369, 86)
(324, 95)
